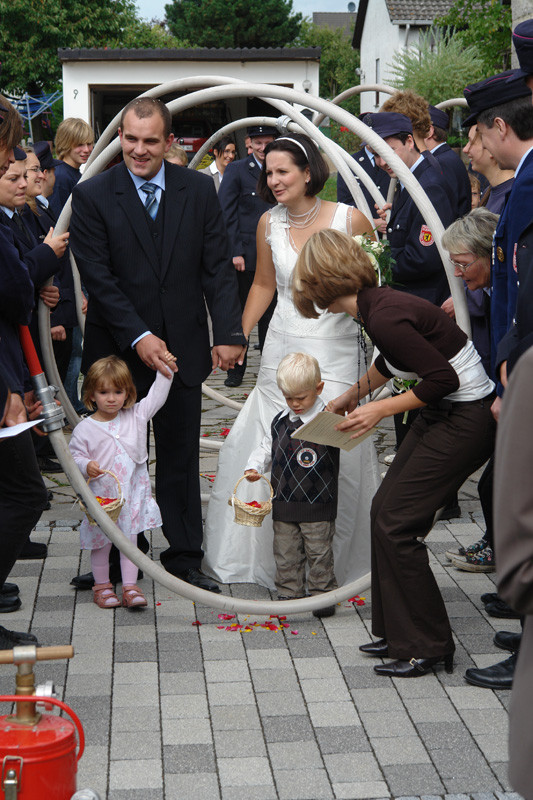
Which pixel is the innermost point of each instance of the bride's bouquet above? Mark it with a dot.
(380, 256)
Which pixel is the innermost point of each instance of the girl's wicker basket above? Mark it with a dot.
(113, 508)
(245, 514)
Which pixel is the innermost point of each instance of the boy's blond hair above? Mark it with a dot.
(70, 134)
(111, 370)
(178, 152)
(297, 372)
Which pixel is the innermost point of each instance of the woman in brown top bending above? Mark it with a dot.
(451, 437)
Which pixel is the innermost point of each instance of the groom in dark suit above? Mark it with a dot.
(150, 244)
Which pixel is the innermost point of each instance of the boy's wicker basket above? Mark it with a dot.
(113, 508)
(246, 514)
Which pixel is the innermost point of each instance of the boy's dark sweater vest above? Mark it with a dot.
(304, 476)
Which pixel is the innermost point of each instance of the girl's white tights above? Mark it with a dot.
(100, 565)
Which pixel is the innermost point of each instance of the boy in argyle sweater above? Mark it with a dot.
(305, 481)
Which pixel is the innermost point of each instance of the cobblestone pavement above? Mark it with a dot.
(174, 710)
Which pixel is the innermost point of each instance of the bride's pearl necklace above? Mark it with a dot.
(307, 219)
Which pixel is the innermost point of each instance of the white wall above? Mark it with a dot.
(380, 40)
(79, 76)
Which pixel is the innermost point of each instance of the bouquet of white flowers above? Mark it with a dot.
(380, 256)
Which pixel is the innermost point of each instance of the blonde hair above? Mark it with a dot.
(111, 370)
(330, 265)
(297, 372)
(177, 151)
(472, 233)
(70, 134)
(413, 106)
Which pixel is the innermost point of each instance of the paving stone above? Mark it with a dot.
(297, 784)
(134, 774)
(361, 791)
(352, 767)
(182, 683)
(267, 792)
(320, 690)
(244, 771)
(377, 724)
(282, 703)
(127, 745)
(197, 786)
(226, 671)
(404, 779)
(333, 714)
(140, 794)
(436, 709)
(286, 755)
(295, 728)
(407, 750)
(226, 718)
(272, 680)
(245, 743)
(342, 740)
(444, 735)
(192, 730)
(184, 706)
(189, 758)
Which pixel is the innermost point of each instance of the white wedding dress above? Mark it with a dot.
(239, 554)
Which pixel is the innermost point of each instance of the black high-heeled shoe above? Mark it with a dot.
(380, 648)
(415, 667)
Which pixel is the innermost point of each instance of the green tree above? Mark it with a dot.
(239, 23)
(32, 31)
(485, 25)
(438, 67)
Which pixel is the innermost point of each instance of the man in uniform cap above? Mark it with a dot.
(242, 208)
(453, 169)
(523, 43)
(365, 157)
(501, 108)
(418, 268)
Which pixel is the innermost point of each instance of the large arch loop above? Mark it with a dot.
(281, 98)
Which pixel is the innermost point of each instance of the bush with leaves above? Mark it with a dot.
(485, 25)
(438, 67)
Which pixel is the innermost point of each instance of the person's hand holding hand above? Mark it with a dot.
(238, 263)
(226, 356)
(153, 352)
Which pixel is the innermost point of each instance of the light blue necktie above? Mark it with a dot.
(150, 204)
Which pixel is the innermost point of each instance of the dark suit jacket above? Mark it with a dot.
(17, 298)
(242, 207)
(516, 215)
(65, 311)
(130, 293)
(513, 537)
(520, 336)
(456, 176)
(418, 267)
(378, 175)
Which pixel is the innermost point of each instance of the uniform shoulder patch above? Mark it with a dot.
(426, 237)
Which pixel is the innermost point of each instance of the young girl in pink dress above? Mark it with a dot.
(115, 438)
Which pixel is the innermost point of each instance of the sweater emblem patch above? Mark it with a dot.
(426, 237)
(306, 457)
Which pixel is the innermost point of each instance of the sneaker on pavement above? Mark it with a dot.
(11, 639)
(482, 561)
(461, 552)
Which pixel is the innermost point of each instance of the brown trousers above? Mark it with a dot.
(438, 454)
(298, 542)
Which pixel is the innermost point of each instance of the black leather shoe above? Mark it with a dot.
(452, 511)
(33, 550)
(196, 578)
(9, 589)
(10, 603)
(82, 582)
(489, 597)
(499, 676)
(328, 611)
(380, 649)
(233, 380)
(499, 609)
(414, 668)
(48, 464)
(506, 640)
(10, 639)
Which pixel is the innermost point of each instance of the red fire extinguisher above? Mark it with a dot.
(37, 751)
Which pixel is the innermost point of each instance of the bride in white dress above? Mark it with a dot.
(293, 174)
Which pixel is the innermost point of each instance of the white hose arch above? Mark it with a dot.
(354, 90)
(278, 97)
